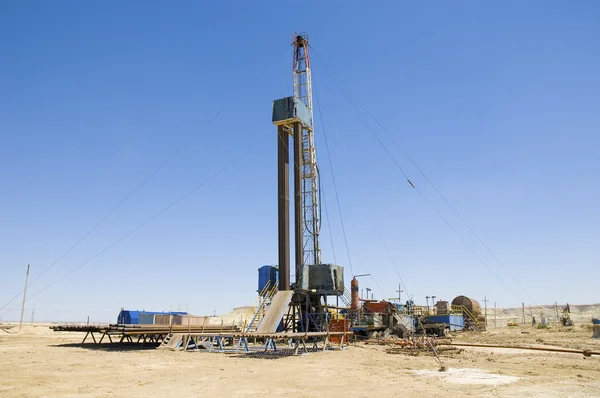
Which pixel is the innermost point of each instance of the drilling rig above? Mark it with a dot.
(314, 281)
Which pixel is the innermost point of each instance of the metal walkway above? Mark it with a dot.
(274, 314)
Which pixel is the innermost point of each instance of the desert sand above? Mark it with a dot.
(39, 362)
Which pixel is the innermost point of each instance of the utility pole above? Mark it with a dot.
(485, 300)
(368, 289)
(427, 299)
(399, 291)
(495, 325)
(523, 310)
(24, 298)
(32, 314)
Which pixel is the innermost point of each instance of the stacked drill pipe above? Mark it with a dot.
(213, 330)
(147, 329)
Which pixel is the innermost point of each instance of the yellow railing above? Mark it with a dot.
(465, 310)
(420, 310)
(266, 293)
(455, 309)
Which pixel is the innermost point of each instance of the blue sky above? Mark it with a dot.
(496, 103)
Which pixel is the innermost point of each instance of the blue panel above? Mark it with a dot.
(454, 321)
(457, 322)
(128, 317)
(436, 319)
(267, 274)
(290, 109)
(302, 112)
(121, 317)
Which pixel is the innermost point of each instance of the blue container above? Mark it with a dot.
(453, 321)
(128, 317)
(267, 274)
(289, 110)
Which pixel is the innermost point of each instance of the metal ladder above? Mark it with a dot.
(345, 297)
(468, 313)
(263, 302)
(166, 340)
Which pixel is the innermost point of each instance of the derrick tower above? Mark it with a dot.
(293, 116)
(310, 186)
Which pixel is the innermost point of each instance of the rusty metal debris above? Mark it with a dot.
(414, 343)
(586, 353)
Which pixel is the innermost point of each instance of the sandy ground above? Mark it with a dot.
(39, 362)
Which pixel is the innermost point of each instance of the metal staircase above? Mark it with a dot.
(469, 317)
(345, 297)
(256, 315)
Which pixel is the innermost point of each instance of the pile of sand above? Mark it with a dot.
(237, 317)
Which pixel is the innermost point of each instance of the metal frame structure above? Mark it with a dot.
(196, 340)
(310, 187)
(294, 116)
(305, 172)
(296, 342)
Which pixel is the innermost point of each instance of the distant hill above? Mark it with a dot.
(582, 313)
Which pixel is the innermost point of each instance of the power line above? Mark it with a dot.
(327, 147)
(443, 197)
(336, 192)
(262, 71)
(371, 275)
(487, 248)
(393, 262)
(119, 204)
(413, 186)
(328, 224)
(213, 176)
(337, 198)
